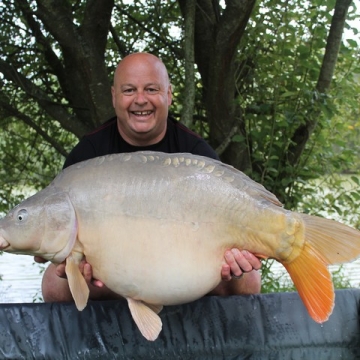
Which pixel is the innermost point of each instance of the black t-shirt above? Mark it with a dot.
(106, 140)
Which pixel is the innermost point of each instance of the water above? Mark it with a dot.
(21, 279)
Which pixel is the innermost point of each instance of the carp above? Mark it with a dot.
(155, 227)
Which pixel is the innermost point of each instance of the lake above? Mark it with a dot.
(21, 279)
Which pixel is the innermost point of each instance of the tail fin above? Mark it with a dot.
(313, 282)
(337, 243)
(326, 242)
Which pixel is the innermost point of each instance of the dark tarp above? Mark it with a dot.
(273, 326)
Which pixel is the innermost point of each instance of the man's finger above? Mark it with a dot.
(60, 271)
(97, 283)
(225, 273)
(40, 260)
(253, 260)
(87, 272)
(241, 261)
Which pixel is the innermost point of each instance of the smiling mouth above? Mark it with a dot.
(142, 113)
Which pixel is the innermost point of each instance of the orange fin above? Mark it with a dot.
(147, 320)
(313, 282)
(77, 284)
(260, 256)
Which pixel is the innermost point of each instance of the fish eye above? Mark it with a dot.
(22, 215)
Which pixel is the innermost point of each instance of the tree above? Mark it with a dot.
(262, 85)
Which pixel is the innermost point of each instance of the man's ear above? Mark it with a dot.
(170, 94)
(113, 96)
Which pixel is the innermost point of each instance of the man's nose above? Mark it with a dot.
(141, 98)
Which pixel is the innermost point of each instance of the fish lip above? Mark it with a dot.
(3, 243)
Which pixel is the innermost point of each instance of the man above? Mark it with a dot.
(141, 97)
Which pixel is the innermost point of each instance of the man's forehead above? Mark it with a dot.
(148, 71)
(136, 84)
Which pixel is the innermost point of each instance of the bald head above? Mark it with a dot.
(142, 61)
(141, 97)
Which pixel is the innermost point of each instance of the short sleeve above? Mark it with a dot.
(82, 151)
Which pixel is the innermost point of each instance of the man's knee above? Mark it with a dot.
(54, 288)
(250, 283)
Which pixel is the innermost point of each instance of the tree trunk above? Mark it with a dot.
(189, 57)
(216, 40)
(84, 79)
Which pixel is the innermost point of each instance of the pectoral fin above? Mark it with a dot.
(78, 286)
(145, 317)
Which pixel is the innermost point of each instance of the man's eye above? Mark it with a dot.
(152, 90)
(128, 91)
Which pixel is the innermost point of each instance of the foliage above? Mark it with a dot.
(258, 97)
(274, 279)
(277, 67)
(37, 160)
(333, 197)
(34, 139)
(288, 48)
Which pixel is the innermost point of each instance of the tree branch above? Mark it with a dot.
(11, 111)
(55, 110)
(83, 52)
(303, 133)
(122, 47)
(50, 56)
(152, 33)
(228, 139)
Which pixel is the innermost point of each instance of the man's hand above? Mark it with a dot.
(84, 267)
(237, 263)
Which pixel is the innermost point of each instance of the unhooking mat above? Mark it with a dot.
(272, 326)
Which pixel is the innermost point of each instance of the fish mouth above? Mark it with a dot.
(3, 243)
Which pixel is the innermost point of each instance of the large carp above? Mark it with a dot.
(155, 228)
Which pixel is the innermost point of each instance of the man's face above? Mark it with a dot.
(141, 97)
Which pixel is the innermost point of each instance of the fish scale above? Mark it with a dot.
(155, 227)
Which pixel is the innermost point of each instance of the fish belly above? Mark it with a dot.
(159, 262)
